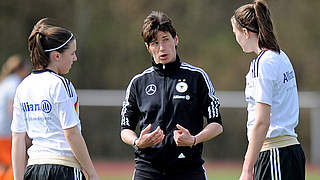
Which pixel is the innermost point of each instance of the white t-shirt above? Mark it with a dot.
(44, 105)
(7, 91)
(271, 80)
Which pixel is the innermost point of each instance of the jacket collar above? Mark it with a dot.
(167, 69)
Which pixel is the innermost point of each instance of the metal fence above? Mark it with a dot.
(228, 99)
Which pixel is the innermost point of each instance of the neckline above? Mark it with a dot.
(42, 70)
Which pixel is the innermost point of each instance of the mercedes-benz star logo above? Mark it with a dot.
(151, 89)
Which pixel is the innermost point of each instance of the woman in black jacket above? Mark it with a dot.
(168, 101)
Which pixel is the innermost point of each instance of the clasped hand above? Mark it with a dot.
(147, 139)
(182, 136)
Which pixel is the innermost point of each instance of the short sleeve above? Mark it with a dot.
(67, 114)
(264, 82)
(19, 120)
(61, 91)
(66, 102)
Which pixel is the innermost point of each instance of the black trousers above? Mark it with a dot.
(52, 172)
(287, 163)
(197, 174)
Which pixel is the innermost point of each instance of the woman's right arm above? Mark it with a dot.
(257, 138)
(19, 155)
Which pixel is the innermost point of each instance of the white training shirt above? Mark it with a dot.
(7, 91)
(44, 105)
(271, 80)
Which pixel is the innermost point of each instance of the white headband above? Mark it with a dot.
(53, 49)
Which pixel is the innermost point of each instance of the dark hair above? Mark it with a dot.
(256, 18)
(156, 21)
(44, 39)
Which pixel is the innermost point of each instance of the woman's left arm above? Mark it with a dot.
(80, 150)
(182, 136)
(256, 140)
(210, 131)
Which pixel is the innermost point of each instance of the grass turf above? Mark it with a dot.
(216, 175)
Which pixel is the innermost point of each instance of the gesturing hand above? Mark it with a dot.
(182, 136)
(147, 139)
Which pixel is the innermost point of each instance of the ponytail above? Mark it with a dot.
(266, 36)
(38, 57)
(256, 18)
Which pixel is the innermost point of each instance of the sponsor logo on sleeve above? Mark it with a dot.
(287, 76)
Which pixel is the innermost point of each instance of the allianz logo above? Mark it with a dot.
(287, 76)
(186, 97)
(44, 106)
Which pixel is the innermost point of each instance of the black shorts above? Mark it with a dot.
(287, 163)
(196, 174)
(52, 171)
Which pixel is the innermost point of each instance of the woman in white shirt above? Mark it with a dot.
(271, 92)
(46, 112)
(12, 73)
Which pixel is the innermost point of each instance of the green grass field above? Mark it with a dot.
(228, 176)
(217, 174)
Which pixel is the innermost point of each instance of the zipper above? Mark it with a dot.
(163, 101)
(164, 104)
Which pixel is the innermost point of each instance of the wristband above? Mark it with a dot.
(194, 141)
(135, 145)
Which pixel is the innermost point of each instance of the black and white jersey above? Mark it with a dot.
(167, 95)
(271, 80)
(45, 104)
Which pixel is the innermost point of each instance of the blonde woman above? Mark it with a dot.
(12, 73)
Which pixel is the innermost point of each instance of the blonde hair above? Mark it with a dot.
(12, 64)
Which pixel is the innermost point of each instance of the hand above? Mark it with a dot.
(246, 175)
(94, 177)
(147, 139)
(182, 136)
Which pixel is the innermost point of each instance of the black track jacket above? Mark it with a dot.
(166, 95)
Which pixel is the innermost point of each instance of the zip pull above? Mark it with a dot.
(163, 66)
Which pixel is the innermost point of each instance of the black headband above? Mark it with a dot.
(250, 29)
